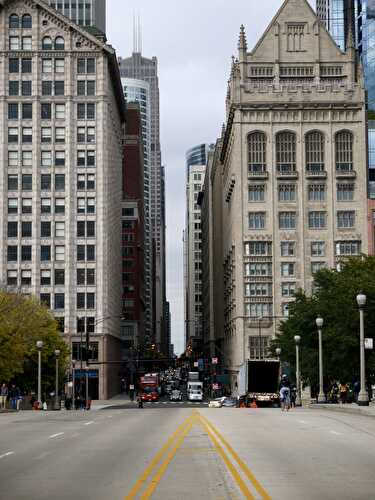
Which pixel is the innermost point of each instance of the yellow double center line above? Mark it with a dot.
(170, 449)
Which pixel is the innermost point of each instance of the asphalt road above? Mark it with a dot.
(224, 453)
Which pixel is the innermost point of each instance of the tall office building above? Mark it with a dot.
(83, 13)
(139, 91)
(291, 174)
(193, 257)
(62, 114)
(141, 68)
(197, 155)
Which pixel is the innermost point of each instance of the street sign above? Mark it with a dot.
(215, 387)
(195, 364)
(215, 361)
(369, 344)
(131, 387)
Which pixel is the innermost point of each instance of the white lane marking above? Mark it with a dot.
(109, 416)
(43, 455)
(89, 423)
(56, 435)
(335, 433)
(302, 421)
(7, 454)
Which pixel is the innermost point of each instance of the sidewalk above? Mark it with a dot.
(353, 409)
(119, 400)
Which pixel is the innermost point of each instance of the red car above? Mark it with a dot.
(150, 396)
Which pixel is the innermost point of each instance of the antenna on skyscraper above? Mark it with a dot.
(134, 34)
(139, 34)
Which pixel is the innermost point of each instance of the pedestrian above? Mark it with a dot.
(293, 396)
(343, 388)
(19, 398)
(140, 402)
(3, 396)
(356, 390)
(13, 396)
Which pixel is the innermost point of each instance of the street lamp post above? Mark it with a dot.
(297, 340)
(57, 354)
(321, 395)
(39, 346)
(74, 382)
(362, 396)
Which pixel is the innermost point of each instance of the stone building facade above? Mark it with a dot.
(61, 123)
(292, 169)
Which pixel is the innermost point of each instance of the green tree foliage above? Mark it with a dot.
(335, 301)
(23, 321)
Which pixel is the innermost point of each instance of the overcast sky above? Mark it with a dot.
(193, 41)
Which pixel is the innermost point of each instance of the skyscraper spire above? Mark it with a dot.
(137, 34)
(242, 43)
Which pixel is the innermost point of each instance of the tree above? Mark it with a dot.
(23, 321)
(335, 300)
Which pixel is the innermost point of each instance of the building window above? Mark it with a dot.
(27, 135)
(12, 158)
(59, 87)
(317, 192)
(12, 253)
(46, 111)
(285, 309)
(45, 298)
(344, 151)
(26, 205)
(12, 205)
(13, 111)
(287, 248)
(46, 135)
(26, 253)
(345, 219)
(286, 152)
(47, 43)
(26, 229)
(12, 182)
(59, 301)
(60, 206)
(287, 269)
(26, 43)
(317, 220)
(287, 192)
(288, 289)
(14, 65)
(317, 266)
(26, 65)
(45, 277)
(60, 158)
(287, 220)
(46, 65)
(45, 205)
(258, 269)
(59, 65)
(45, 253)
(45, 229)
(27, 182)
(60, 135)
(258, 289)
(12, 277)
(59, 43)
(14, 21)
(47, 87)
(318, 248)
(345, 192)
(59, 252)
(46, 158)
(59, 182)
(26, 277)
(314, 143)
(59, 229)
(26, 21)
(348, 248)
(45, 182)
(257, 220)
(60, 111)
(255, 248)
(256, 192)
(12, 230)
(257, 144)
(12, 135)
(26, 88)
(14, 43)
(27, 158)
(258, 310)
(14, 86)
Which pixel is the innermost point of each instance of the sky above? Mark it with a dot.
(194, 41)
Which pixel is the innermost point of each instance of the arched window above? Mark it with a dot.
(344, 151)
(257, 143)
(59, 43)
(47, 43)
(314, 144)
(14, 21)
(286, 152)
(26, 21)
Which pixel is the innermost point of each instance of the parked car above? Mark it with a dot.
(216, 403)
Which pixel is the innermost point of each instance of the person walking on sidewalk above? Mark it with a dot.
(3, 396)
(13, 396)
(343, 388)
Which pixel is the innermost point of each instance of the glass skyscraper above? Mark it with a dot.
(332, 13)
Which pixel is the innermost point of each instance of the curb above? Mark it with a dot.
(340, 409)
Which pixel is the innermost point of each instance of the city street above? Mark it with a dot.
(178, 452)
